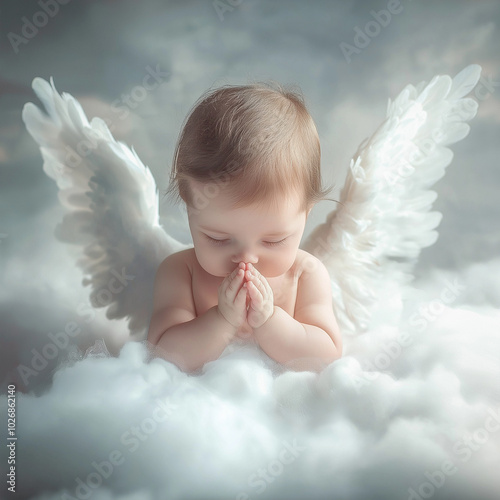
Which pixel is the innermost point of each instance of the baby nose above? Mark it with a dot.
(245, 256)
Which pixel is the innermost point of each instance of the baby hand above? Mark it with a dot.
(232, 297)
(261, 306)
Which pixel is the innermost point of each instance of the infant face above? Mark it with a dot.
(266, 237)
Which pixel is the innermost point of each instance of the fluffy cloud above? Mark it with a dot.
(410, 411)
(389, 418)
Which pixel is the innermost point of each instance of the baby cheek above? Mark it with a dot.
(216, 262)
(278, 264)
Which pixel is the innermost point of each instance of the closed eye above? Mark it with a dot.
(275, 243)
(216, 241)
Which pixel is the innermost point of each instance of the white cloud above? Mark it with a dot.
(366, 429)
(376, 423)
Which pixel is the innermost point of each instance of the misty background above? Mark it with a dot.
(101, 51)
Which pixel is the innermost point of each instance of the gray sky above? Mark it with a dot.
(100, 51)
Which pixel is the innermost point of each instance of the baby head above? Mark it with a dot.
(247, 165)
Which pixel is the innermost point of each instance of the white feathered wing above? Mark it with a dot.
(371, 242)
(112, 203)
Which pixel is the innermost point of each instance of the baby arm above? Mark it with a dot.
(187, 340)
(311, 339)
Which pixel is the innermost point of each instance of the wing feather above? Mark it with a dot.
(371, 242)
(112, 205)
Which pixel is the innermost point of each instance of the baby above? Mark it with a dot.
(247, 165)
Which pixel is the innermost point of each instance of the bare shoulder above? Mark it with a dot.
(307, 265)
(184, 258)
(173, 279)
(172, 299)
(314, 284)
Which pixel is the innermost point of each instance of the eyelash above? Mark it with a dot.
(275, 243)
(223, 242)
(216, 242)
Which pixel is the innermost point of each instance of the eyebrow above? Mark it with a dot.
(270, 235)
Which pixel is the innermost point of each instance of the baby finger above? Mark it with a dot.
(234, 285)
(255, 294)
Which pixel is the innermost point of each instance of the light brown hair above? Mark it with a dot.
(258, 139)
